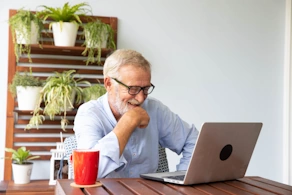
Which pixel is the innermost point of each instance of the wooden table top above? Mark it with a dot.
(35, 187)
(128, 186)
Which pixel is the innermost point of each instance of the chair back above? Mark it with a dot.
(70, 144)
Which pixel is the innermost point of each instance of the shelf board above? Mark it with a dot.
(29, 112)
(60, 50)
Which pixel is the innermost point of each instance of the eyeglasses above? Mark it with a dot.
(134, 90)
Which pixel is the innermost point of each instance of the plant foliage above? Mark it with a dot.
(93, 92)
(95, 32)
(56, 94)
(66, 13)
(25, 80)
(21, 155)
(21, 22)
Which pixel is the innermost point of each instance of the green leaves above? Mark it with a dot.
(36, 120)
(22, 22)
(25, 80)
(95, 33)
(58, 94)
(21, 155)
(66, 13)
(93, 92)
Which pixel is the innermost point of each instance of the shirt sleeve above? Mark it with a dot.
(91, 133)
(176, 134)
(188, 147)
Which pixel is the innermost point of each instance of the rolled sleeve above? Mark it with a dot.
(109, 155)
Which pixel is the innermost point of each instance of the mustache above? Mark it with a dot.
(134, 102)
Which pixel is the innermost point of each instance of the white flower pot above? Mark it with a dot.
(27, 97)
(20, 36)
(90, 44)
(65, 34)
(22, 173)
(72, 99)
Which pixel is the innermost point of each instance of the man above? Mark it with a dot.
(126, 125)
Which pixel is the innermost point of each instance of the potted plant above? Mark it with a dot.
(93, 92)
(21, 167)
(59, 93)
(65, 21)
(97, 35)
(26, 28)
(27, 89)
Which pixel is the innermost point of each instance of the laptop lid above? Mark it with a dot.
(222, 152)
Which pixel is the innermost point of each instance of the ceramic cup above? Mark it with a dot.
(85, 163)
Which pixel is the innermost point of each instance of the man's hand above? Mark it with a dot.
(139, 115)
(136, 117)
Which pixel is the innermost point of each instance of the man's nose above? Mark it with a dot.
(140, 96)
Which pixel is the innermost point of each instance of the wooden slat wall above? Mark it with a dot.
(45, 61)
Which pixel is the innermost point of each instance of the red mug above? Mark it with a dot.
(85, 165)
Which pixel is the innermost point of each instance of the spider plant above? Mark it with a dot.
(93, 92)
(57, 96)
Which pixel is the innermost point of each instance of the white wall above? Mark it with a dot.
(212, 61)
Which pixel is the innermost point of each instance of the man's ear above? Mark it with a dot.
(107, 83)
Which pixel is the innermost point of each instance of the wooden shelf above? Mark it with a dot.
(67, 51)
(28, 112)
(47, 59)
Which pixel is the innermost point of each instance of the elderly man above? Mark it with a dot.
(126, 125)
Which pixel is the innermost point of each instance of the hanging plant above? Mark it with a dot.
(26, 28)
(59, 93)
(97, 35)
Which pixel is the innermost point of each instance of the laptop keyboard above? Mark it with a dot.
(177, 177)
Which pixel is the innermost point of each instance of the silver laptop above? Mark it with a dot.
(222, 152)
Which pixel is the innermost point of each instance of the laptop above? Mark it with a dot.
(222, 152)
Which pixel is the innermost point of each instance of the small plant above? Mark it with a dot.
(93, 92)
(21, 155)
(66, 13)
(97, 32)
(64, 21)
(25, 80)
(21, 24)
(57, 96)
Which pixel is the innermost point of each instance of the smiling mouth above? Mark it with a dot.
(134, 102)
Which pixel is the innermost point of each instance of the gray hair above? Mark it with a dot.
(122, 57)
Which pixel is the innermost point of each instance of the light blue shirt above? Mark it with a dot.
(93, 127)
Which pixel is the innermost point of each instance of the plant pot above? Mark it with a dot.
(72, 99)
(27, 97)
(22, 173)
(94, 44)
(21, 36)
(64, 33)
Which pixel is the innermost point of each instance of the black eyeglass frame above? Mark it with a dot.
(141, 88)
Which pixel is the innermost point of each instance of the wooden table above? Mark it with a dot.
(127, 186)
(35, 187)
(3, 187)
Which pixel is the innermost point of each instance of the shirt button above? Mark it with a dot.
(134, 154)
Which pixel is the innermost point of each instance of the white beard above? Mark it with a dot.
(122, 107)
